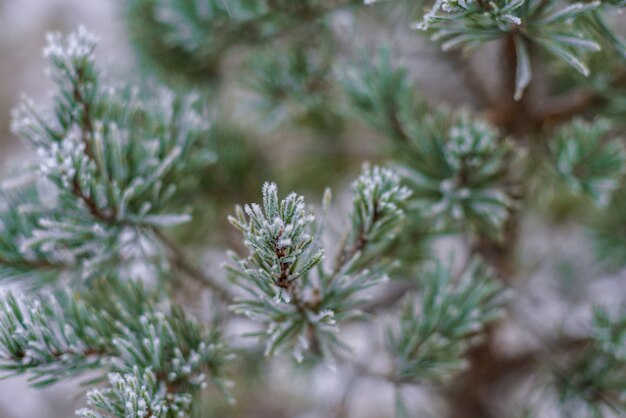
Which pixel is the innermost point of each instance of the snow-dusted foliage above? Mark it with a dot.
(430, 339)
(112, 237)
(468, 177)
(278, 236)
(134, 395)
(595, 379)
(378, 200)
(455, 164)
(467, 188)
(302, 307)
(563, 30)
(588, 160)
(111, 156)
(114, 326)
(107, 146)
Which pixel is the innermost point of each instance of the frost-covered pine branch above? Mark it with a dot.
(111, 160)
(429, 342)
(378, 208)
(570, 32)
(588, 160)
(455, 164)
(300, 305)
(594, 381)
(119, 327)
(128, 186)
(134, 395)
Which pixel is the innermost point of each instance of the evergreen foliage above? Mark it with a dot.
(568, 31)
(609, 238)
(189, 39)
(166, 357)
(430, 342)
(101, 236)
(303, 311)
(455, 163)
(598, 384)
(587, 160)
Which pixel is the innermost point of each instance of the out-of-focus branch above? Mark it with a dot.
(180, 262)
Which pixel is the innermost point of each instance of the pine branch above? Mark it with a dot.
(547, 24)
(430, 343)
(378, 203)
(302, 310)
(195, 60)
(454, 164)
(116, 326)
(113, 162)
(136, 395)
(588, 160)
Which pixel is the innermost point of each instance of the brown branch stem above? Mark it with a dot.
(180, 262)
